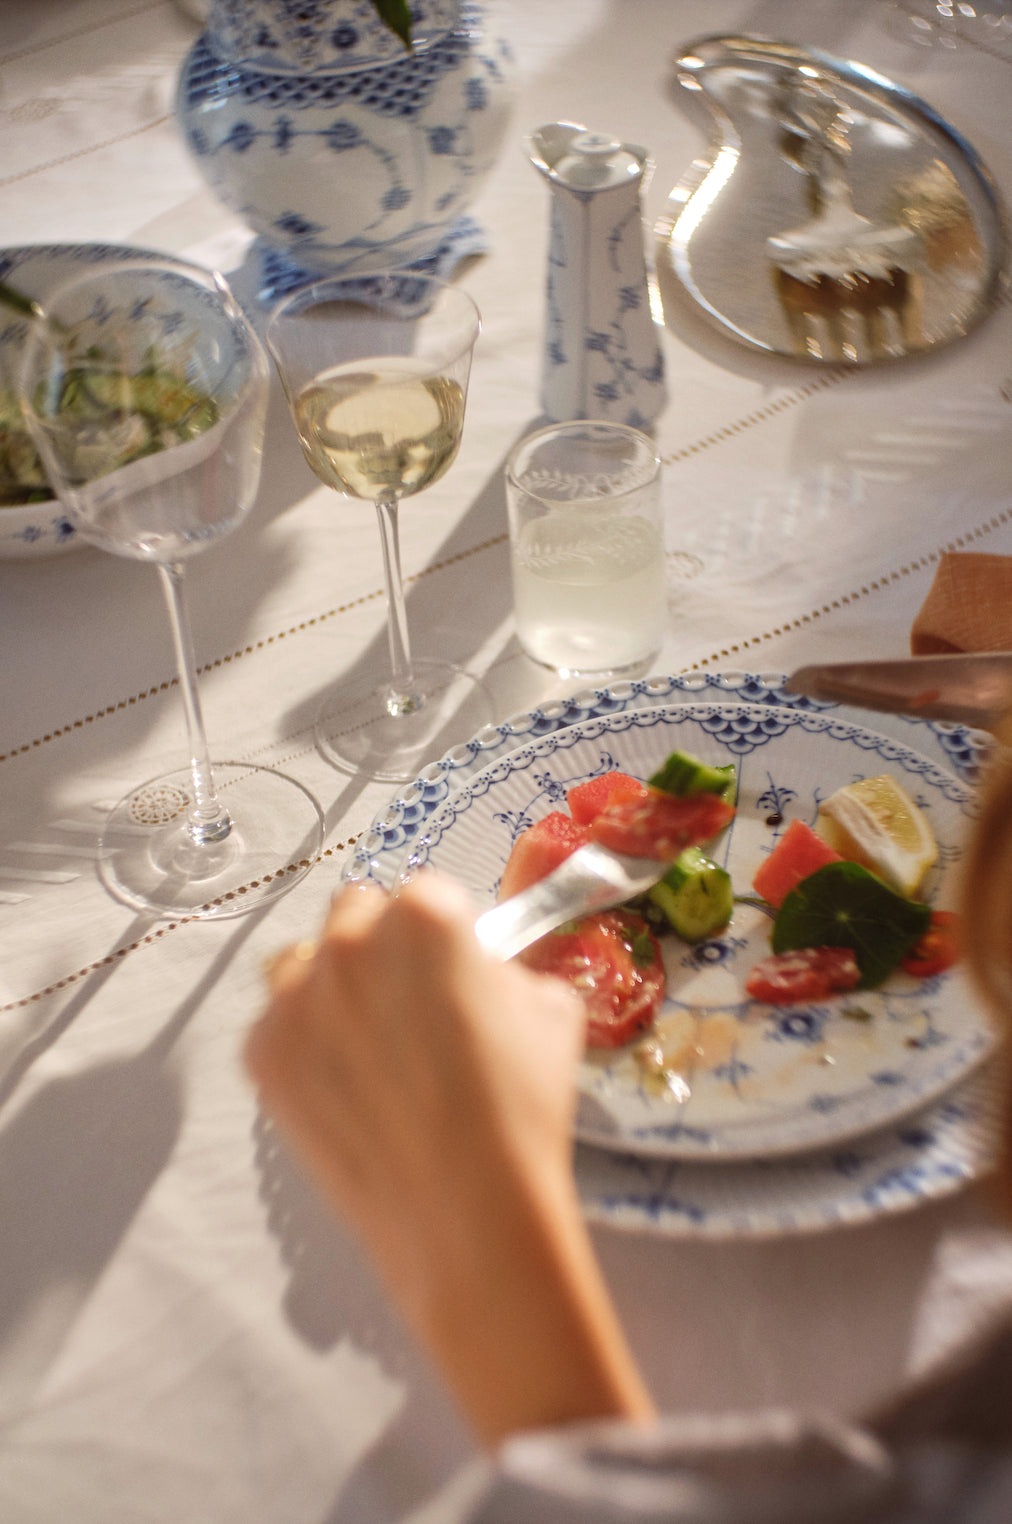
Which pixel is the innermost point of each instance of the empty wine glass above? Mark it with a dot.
(145, 389)
(375, 370)
(986, 24)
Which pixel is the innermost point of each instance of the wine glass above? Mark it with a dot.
(375, 370)
(145, 389)
(986, 24)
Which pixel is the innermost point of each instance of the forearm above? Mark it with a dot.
(430, 1092)
(519, 1319)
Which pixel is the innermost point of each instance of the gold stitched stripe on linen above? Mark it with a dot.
(158, 933)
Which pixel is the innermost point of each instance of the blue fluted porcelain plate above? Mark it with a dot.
(925, 1157)
(721, 1076)
(910, 1158)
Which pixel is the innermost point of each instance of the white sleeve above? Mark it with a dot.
(763, 1468)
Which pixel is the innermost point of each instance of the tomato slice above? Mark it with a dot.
(658, 825)
(937, 949)
(809, 973)
(614, 960)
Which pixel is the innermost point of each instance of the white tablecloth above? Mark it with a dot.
(184, 1334)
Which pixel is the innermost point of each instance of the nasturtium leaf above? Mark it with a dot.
(843, 905)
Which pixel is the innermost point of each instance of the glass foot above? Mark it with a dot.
(356, 731)
(148, 859)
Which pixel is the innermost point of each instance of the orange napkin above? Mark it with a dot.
(968, 607)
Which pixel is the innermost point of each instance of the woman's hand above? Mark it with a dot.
(430, 1091)
(402, 1060)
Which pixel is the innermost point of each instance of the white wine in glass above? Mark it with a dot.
(145, 389)
(390, 430)
(375, 370)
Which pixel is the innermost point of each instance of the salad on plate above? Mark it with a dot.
(844, 916)
(791, 981)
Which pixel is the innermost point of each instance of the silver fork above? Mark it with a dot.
(592, 878)
(849, 289)
(854, 318)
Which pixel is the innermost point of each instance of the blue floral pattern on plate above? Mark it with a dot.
(719, 1076)
(926, 1155)
(377, 854)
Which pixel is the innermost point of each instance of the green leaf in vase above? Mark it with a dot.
(396, 15)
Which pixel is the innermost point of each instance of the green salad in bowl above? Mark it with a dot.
(22, 474)
(127, 416)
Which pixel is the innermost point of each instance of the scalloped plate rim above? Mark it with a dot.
(807, 723)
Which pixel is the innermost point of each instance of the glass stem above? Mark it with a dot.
(402, 697)
(209, 820)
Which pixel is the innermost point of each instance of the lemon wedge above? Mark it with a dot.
(875, 823)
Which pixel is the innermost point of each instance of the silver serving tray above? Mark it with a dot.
(904, 165)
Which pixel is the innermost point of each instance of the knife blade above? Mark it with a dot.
(975, 688)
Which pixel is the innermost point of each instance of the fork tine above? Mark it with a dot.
(873, 297)
(800, 303)
(876, 329)
(855, 319)
(910, 311)
(815, 315)
(804, 338)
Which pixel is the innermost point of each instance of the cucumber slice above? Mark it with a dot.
(85, 393)
(100, 391)
(10, 412)
(22, 459)
(682, 774)
(22, 477)
(695, 896)
(201, 416)
(104, 420)
(164, 397)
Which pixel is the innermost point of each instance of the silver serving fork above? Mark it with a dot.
(849, 289)
(592, 878)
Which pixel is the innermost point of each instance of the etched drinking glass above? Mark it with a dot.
(587, 548)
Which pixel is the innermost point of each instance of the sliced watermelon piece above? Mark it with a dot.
(587, 800)
(539, 850)
(798, 853)
(659, 825)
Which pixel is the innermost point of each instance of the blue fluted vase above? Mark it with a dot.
(343, 151)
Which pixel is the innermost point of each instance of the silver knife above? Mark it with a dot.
(975, 689)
